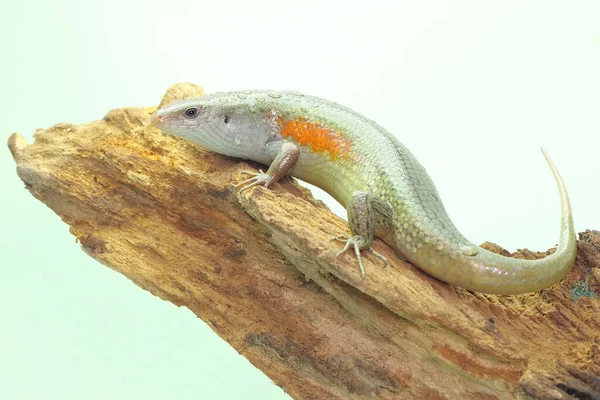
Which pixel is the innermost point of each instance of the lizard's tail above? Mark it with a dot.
(567, 241)
(477, 269)
(526, 276)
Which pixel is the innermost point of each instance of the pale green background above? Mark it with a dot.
(473, 88)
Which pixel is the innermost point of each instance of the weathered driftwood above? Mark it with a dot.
(259, 268)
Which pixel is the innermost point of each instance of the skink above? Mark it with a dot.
(385, 190)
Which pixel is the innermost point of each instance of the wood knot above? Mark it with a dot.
(16, 144)
(180, 91)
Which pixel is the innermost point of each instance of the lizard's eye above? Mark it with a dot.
(191, 112)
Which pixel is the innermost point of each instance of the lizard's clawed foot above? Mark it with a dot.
(258, 178)
(252, 173)
(339, 238)
(380, 256)
(358, 242)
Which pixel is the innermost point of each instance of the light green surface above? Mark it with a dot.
(460, 82)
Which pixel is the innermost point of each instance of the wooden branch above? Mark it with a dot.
(259, 269)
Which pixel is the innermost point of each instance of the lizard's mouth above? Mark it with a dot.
(170, 124)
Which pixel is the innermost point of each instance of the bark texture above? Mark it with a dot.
(259, 269)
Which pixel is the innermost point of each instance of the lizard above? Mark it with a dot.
(386, 192)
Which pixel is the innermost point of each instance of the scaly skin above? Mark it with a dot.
(384, 188)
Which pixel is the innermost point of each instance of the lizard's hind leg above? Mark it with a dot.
(365, 212)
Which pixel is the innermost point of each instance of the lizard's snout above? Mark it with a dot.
(157, 119)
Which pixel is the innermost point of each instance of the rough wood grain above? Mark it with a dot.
(260, 270)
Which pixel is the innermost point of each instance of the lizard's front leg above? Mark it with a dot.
(282, 164)
(365, 212)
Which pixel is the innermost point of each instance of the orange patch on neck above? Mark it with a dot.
(316, 136)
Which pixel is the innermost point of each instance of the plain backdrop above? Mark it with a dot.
(472, 88)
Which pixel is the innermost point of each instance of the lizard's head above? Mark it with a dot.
(224, 123)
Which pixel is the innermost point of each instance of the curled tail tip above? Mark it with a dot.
(564, 197)
(547, 156)
(553, 169)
